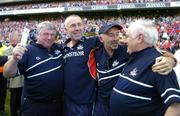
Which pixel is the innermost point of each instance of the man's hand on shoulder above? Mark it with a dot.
(164, 65)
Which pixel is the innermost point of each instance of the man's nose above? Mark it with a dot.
(50, 36)
(115, 37)
(125, 41)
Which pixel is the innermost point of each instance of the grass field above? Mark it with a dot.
(7, 105)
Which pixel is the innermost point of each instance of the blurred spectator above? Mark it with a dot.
(16, 83)
(3, 81)
(168, 25)
(32, 36)
(72, 4)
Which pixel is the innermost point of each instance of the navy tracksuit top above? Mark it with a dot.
(79, 77)
(141, 92)
(108, 70)
(43, 72)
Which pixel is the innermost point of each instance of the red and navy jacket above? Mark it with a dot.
(3, 60)
(141, 92)
(108, 70)
(43, 72)
(79, 71)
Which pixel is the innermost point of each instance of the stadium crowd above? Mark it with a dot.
(168, 27)
(72, 4)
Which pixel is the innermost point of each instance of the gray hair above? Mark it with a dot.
(45, 25)
(145, 27)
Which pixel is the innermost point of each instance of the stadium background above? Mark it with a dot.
(16, 14)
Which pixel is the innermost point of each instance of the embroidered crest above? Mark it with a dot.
(57, 52)
(80, 47)
(133, 73)
(65, 50)
(115, 63)
(38, 58)
(97, 64)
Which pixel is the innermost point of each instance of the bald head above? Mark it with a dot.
(70, 19)
(74, 27)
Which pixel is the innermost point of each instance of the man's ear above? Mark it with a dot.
(141, 38)
(66, 30)
(101, 38)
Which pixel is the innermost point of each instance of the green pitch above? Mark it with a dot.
(7, 105)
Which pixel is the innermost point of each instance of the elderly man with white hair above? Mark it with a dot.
(140, 91)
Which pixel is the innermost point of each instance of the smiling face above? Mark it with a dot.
(46, 38)
(141, 34)
(74, 27)
(110, 39)
(46, 34)
(134, 43)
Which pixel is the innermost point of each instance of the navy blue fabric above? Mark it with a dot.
(101, 109)
(3, 60)
(43, 72)
(33, 108)
(3, 84)
(73, 109)
(141, 92)
(79, 86)
(108, 70)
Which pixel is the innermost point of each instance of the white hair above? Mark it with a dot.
(145, 27)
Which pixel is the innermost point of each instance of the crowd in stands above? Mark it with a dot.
(168, 26)
(73, 4)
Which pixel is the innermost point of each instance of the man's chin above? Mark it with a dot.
(128, 52)
(77, 38)
(114, 47)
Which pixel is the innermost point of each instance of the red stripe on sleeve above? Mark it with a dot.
(92, 64)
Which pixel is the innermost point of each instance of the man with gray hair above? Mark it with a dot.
(41, 65)
(139, 91)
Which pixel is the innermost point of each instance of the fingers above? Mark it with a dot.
(172, 62)
(18, 52)
(164, 72)
(159, 63)
(158, 59)
(162, 66)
